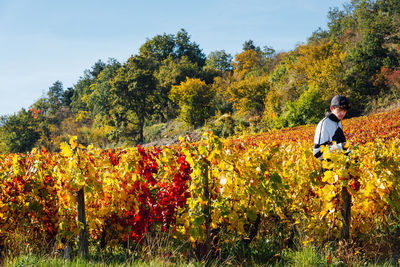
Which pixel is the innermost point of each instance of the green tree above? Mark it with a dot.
(318, 36)
(54, 96)
(160, 47)
(82, 87)
(66, 98)
(98, 100)
(219, 60)
(185, 47)
(132, 97)
(376, 49)
(249, 45)
(19, 132)
(340, 21)
(307, 109)
(175, 57)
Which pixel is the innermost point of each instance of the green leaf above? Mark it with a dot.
(276, 178)
(198, 221)
(252, 214)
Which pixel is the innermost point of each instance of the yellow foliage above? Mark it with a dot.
(246, 61)
(247, 95)
(193, 97)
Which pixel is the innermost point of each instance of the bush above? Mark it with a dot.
(307, 109)
(222, 125)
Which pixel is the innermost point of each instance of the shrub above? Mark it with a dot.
(307, 109)
(222, 125)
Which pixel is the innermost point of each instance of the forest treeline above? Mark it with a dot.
(171, 80)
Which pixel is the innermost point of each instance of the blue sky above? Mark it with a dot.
(43, 41)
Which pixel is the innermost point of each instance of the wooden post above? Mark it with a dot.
(83, 236)
(207, 211)
(346, 213)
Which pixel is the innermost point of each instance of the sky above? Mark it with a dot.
(43, 41)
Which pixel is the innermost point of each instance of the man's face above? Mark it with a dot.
(339, 112)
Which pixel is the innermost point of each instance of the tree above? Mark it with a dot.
(249, 45)
(82, 88)
(307, 109)
(19, 132)
(175, 57)
(247, 95)
(98, 100)
(184, 47)
(48, 113)
(132, 96)
(253, 60)
(344, 21)
(172, 72)
(66, 98)
(54, 96)
(320, 65)
(194, 99)
(375, 50)
(318, 35)
(315, 65)
(219, 60)
(247, 61)
(160, 47)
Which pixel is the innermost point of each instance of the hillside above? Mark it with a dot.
(358, 130)
(170, 87)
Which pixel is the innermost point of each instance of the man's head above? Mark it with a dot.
(339, 106)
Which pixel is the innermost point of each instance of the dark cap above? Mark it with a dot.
(340, 101)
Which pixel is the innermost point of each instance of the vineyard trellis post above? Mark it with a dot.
(83, 237)
(346, 213)
(207, 209)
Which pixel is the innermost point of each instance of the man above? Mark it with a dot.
(330, 129)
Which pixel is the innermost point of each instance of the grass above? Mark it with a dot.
(305, 256)
(34, 260)
(161, 249)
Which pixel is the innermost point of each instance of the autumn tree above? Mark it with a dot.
(316, 65)
(247, 61)
(247, 95)
(253, 60)
(194, 99)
